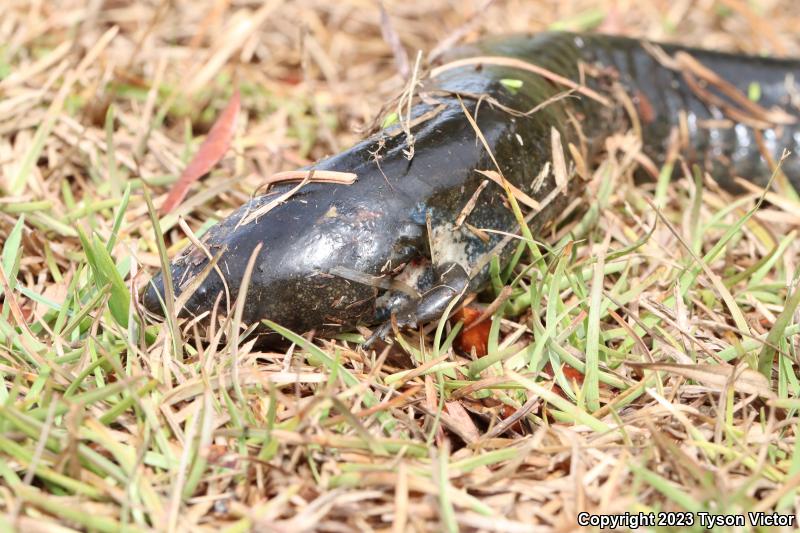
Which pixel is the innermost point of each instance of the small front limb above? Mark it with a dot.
(451, 282)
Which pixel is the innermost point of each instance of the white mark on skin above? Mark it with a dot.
(519, 139)
(411, 275)
(412, 272)
(385, 300)
(450, 245)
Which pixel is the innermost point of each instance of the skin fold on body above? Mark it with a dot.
(334, 256)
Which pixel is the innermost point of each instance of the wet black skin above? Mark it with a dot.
(378, 224)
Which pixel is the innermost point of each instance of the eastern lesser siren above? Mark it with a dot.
(334, 256)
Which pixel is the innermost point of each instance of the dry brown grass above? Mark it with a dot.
(106, 428)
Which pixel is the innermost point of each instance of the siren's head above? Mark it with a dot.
(312, 258)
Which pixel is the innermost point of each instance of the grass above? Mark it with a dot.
(626, 363)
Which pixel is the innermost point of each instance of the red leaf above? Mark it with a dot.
(211, 151)
(569, 373)
(476, 336)
(507, 411)
(572, 374)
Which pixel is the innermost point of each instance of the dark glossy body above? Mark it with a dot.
(377, 226)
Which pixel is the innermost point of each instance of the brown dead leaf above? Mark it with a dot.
(717, 377)
(460, 419)
(518, 193)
